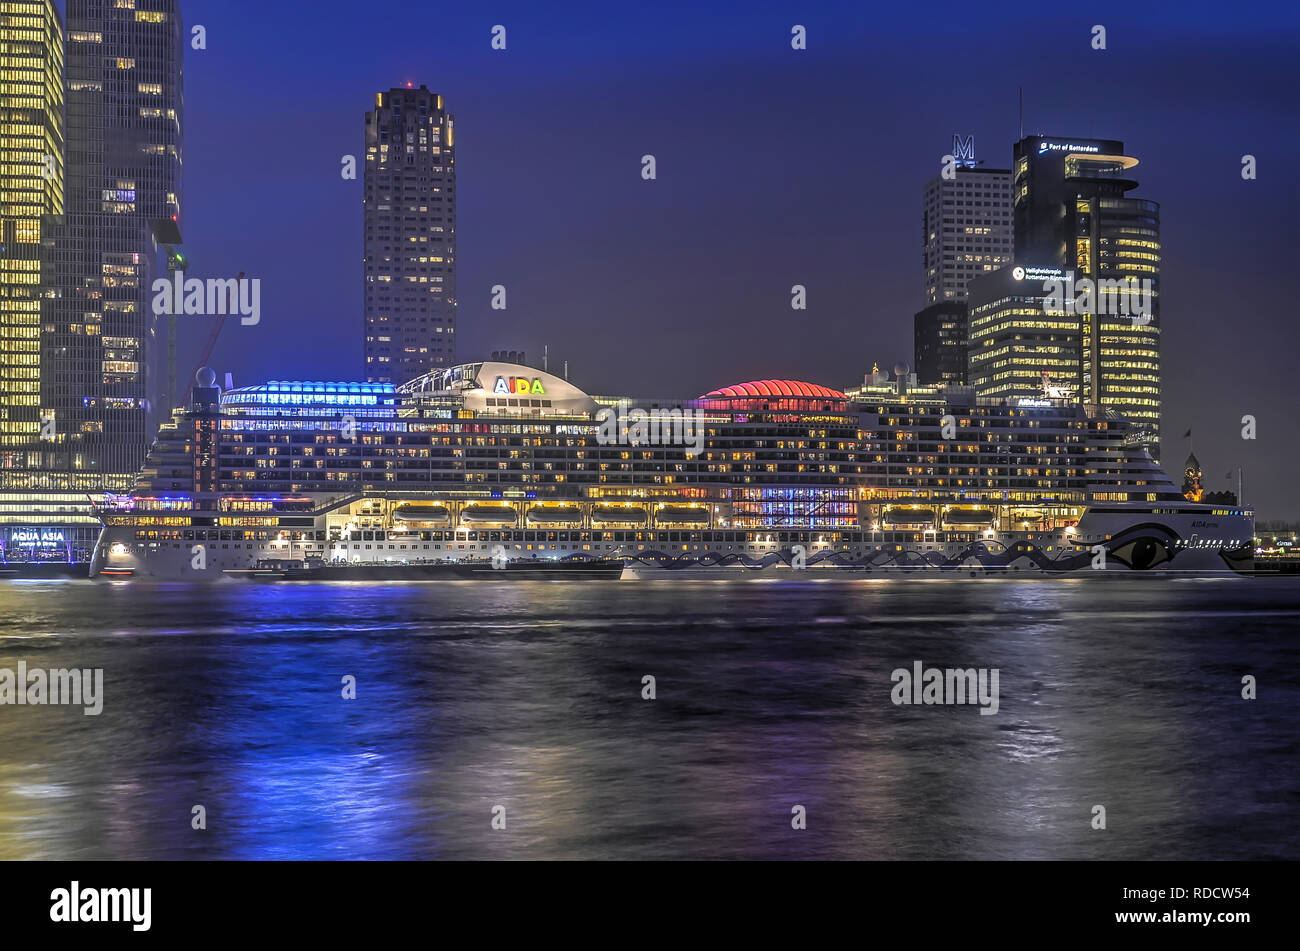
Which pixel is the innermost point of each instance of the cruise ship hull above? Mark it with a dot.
(1190, 540)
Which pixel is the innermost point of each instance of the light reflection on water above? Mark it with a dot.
(529, 696)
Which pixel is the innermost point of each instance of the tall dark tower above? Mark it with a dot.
(102, 348)
(939, 332)
(410, 236)
(1072, 212)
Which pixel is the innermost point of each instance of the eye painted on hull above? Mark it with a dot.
(1142, 554)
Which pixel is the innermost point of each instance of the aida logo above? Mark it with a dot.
(519, 385)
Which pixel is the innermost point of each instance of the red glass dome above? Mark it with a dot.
(775, 388)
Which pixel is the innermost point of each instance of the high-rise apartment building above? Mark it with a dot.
(1072, 212)
(410, 236)
(966, 229)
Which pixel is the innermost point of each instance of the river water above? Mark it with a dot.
(1118, 692)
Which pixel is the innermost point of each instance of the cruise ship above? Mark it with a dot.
(497, 462)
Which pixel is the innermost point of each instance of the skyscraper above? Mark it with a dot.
(31, 188)
(966, 230)
(102, 347)
(1072, 213)
(966, 233)
(78, 407)
(410, 236)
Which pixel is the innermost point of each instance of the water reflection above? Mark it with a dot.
(769, 696)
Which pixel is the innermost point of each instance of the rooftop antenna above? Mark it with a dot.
(1020, 92)
(566, 371)
(546, 359)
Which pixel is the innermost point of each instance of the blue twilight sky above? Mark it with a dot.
(775, 167)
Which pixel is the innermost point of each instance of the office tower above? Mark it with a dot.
(119, 170)
(1071, 213)
(31, 193)
(940, 344)
(410, 236)
(31, 188)
(103, 347)
(1017, 343)
(966, 230)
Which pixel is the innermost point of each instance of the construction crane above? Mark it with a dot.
(167, 233)
(206, 355)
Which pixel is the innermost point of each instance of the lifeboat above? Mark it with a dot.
(682, 515)
(621, 514)
(968, 516)
(1019, 518)
(909, 516)
(542, 514)
(489, 514)
(422, 514)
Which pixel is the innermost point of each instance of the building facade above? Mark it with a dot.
(31, 190)
(410, 236)
(1072, 212)
(966, 226)
(32, 522)
(94, 361)
(103, 349)
(1017, 343)
(940, 343)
